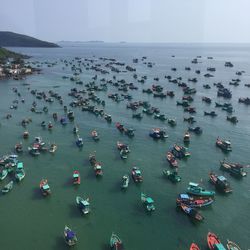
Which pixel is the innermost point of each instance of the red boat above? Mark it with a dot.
(136, 174)
(76, 178)
(171, 159)
(44, 187)
(213, 241)
(194, 247)
(119, 126)
(98, 169)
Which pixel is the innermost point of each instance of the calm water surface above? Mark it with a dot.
(30, 221)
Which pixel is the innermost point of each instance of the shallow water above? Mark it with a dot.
(30, 221)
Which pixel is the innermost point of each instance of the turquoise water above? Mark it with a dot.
(30, 221)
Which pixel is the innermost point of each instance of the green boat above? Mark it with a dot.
(172, 176)
(3, 174)
(84, 205)
(115, 242)
(195, 189)
(20, 173)
(7, 187)
(148, 202)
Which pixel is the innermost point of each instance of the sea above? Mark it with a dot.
(29, 221)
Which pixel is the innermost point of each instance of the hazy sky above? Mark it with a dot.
(129, 20)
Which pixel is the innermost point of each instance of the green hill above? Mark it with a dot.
(11, 39)
(4, 54)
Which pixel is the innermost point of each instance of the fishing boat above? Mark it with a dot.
(92, 159)
(180, 151)
(79, 142)
(95, 135)
(186, 138)
(194, 247)
(172, 176)
(3, 174)
(25, 134)
(69, 236)
(234, 169)
(191, 201)
(172, 122)
(71, 115)
(212, 113)
(115, 242)
(8, 187)
(125, 181)
(148, 202)
(220, 182)
(43, 124)
(63, 121)
(232, 246)
(193, 213)
(20, 173)
(224, 144)
(53, 148)
(83, 204)
(232, 119)
(34, 150)
(136, 174)
(171, 160)
(196, 189)
(213, 242)
(76, 178)
(196, 130)
(19, 147)
(50, 125)
(119, 126)
(157, 133)
(75, 130)
(44, 187)
(130, 132)
(98, 169)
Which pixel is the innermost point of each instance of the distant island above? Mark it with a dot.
(11, 39)
(77, 43)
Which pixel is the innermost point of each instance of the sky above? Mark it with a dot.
(173, 21)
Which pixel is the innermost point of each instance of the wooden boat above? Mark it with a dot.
(158, 133)
(194, 247)
(224, 144)
(50, 125)
(92, 159)
(213, 242)
(119, 126)
(34, 150)
(95, 135)
(3, 175)
(125, 181)
(196, 202)
(136, 175)
(212, 113)
(171, 160)
(8, 187)
(53, 148)
(193, 213)
(232, 246)
(172, 176)
(220, 182)
(20, 173)
(25, 134)
(83, 204)
(180, 151)
(69, 236)
(234, 169)
(75, 130)
(44, 187)
(196, 130)
(19, 147)
(148, 202)
(232, 119)
(195, 189)
(115, 242)
(76, 178)
(98, 169)
(186, 138)
(172, 122)
(79, 142)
